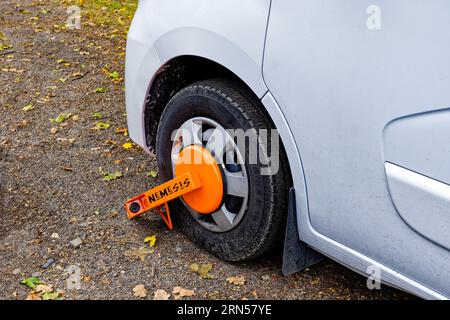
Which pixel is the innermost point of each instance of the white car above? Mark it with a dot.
(359, 94)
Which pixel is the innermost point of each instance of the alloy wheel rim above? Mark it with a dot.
(214, 137)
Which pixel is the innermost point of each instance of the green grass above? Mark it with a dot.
(106, 13)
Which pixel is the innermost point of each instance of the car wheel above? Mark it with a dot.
(251, 217)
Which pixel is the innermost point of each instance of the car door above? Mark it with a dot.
(365, 91)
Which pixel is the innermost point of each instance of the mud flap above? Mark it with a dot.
(297, 255)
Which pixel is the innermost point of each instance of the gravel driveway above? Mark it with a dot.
(61, 133)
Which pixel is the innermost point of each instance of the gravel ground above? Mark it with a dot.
(52, 189)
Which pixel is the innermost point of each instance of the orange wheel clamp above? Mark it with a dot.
(198, 180)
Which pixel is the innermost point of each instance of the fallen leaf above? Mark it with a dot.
(151, 240)
(100, 90)
(202, 270)
(112, 176)
(127, 145)
(28, 107)
(43, 288)
(5, 46)
(193, 267)
(54, 130)
(122, 130)
(99, 125)
(238, 280)
(180, 292)
(50, 295)
(33, 296)
(44, 100)
(61, 118)
(138, 253)
(140, 291)
(114, 75)
(31, 282)
(152, 174)
(77, 74)
(161, 295)
(112, 142)
(97, 115)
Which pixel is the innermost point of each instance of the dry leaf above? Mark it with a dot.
(202, 270)
(43, 288)
(193, 267)
(138, 253)
(140, 291)
(124, 131)
(180, 292)
(238, 280)
(151, 240)
(33, 296)
(161, 295)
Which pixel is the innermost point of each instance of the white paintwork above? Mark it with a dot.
(339, 84)
(327, 246)
(203, 28)
(334, 86)
(422, 202)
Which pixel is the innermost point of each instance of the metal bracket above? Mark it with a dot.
(297, 255)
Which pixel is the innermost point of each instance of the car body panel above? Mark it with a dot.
(339, 84)
(422, 202)
(327, 246)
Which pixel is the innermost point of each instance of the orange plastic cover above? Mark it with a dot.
(196, 159)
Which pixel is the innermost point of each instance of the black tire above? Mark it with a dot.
(233, 107)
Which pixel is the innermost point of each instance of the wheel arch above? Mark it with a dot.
(174, 75)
